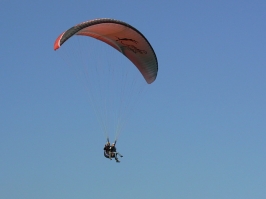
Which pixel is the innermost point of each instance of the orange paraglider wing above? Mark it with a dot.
(121, 36)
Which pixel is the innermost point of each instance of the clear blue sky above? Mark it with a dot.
(201, 134)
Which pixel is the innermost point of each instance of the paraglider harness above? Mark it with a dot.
(108, 152)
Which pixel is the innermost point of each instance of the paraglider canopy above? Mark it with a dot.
(121, 36)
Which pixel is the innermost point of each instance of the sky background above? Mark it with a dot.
(200, 134)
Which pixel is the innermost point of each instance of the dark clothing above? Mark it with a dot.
(106, 154)
(110, 152)
(114, 154)
(106, 148)
(107, 151)
(113, 149)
